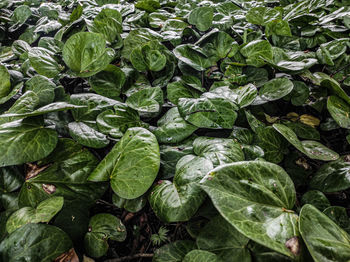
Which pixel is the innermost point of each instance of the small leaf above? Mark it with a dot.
(44, 212)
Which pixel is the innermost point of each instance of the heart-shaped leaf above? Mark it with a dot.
(218, 150)
(254, 196)
(101, 228)
(132, 164)
(86, 54)
(172, 128)
(42, 243)
(44, 212)
(36, 142)
(339, 110)
(325, 240)
(174, 252)
(180, 199)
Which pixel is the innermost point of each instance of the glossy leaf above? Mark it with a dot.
(180, 199)
(36, 142)
(339, 110)
(42, 243)
(132, 165)
(85, 54)
(102, 227)
(172, 128)
(44, 212)
(325, 240)
(254, 196)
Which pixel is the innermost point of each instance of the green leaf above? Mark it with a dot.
(303, 131)
(254, 196)
(177, 90)
(43, 62)
(138, 37)
(339, 215)
(43, 87)
(130, 205)
(94, 105)
(10, 179)
(300, 93)
(102, 227)
(132, 164)
(44, 212)
(63, 173)
(21, 14)
(277, 27)
(86, 135)
(116, 122)
(218, 150)
(35, 141)
(315, 198)
(325, 240)
(108, 82)
(172, 128)
(43, 243)
(256, 50)
(262, 15)
(49, 108)
(220, 237)
(208, 111)
(200, 256)
(276, 89)
(108, 23)
(179, 200)
(339, 110)
(148, 5)
(86, 54)
(149, 56)
(201, 17)
(312, 149)
(271, 142)
(173, 252)
(332, 177)
(5, 83)
(193, 56)
(147, 100)
(218, 45)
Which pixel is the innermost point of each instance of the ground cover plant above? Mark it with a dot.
(174, 131)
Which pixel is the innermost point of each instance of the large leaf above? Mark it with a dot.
(276, 89)
(312, 149)
(43, 62)
(332, 177)
(218, 150)
(116, 122)
(132, 165)
(44, 212)
(108, 23)
(193, 56)
(86, 54)
(63, 173)
(256, 198)
(147, 100)
(208, 111)
(86, 135)
(256, 50)
(102, 227)
(201, 17)
(35, 141)
(221, 238)
(339, 110)
(180, 199)
(108, 82)
(172, 128)
(34, 242)
(325, 240)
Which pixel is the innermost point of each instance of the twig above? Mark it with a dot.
(127, 258)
